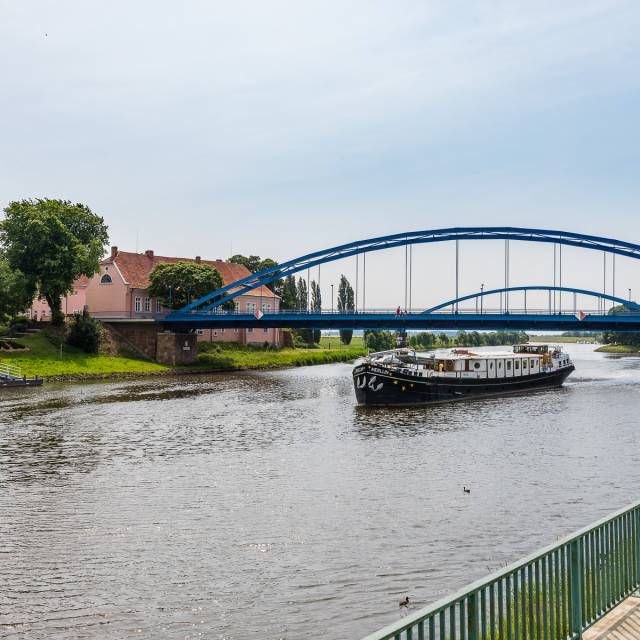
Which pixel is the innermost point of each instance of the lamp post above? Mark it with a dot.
(331, 298)
(481, 298)
(629, 295)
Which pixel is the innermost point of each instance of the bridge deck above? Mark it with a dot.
(623, 623)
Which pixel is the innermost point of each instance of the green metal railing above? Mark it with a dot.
(554, 594)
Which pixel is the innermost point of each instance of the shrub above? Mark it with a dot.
(84, 332)
(19, 324)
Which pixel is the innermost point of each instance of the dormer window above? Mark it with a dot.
(106, 279)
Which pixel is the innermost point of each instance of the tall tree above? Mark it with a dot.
(346, 301)
(289, 293)
(52, 243)
(178, 283)
(302, 296)
(316, 305)
(15, 293)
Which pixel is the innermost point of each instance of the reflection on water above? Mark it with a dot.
(267, 505)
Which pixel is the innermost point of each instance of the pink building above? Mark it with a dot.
(72, 303)
(119, 290)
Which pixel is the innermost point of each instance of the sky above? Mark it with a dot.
(281, 127)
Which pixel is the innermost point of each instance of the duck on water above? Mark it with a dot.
(407, 377)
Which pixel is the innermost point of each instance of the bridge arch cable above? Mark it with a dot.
(211, 301)
(629, 304)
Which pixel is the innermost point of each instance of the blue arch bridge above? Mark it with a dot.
(609, 312)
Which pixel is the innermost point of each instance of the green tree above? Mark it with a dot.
(178, 283)
(255, 264)
(443, 339)
(345, 305)
(289, 293)
(302, 297)
(84, 333)
(379, 340)
(52, 243)
(250, 262)
(316, 305)
(15, 293)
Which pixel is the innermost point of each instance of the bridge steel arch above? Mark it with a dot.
(216, 298)
(630, 305)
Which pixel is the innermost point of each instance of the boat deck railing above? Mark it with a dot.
(10, 371)
(554, 594)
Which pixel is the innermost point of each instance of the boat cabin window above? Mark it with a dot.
(516, 365)
(476, 365)
(491, 365)
(508, 365)
(524, 364)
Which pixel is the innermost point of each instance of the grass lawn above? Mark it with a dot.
(333, 342)
(231, 356)
(563, 339)
(44, 360)
(618, 348)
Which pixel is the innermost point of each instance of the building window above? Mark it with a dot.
(215, 333)
(106, 279)
(266, 306)
(266, 330)
(250, 330)
(221, 330)
(158, 306)
(200, 332)
(251, 307)
(147, 305)
(138, 304)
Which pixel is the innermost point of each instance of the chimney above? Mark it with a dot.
(114, 252)
(149, 253)
(198, 259)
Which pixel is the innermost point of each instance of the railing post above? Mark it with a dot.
(575, 576)
(637, 517)
(472, 617)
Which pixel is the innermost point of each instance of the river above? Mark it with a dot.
(267, 505)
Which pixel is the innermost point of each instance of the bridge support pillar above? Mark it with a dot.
(177, 348)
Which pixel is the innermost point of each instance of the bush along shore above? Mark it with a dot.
(49, 358)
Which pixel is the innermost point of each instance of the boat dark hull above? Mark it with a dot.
(378, 386)
(20, 382)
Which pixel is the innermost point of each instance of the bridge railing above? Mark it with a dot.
(554, 594)
(409, 312)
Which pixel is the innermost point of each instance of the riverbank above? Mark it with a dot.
(48, 361)
(618, 348)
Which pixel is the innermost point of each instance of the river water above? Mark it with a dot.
(267, 505)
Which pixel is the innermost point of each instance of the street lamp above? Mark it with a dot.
(629, 295)
(331, 298)
(481, 298)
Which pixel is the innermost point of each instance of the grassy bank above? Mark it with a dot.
(234, 357)
(47, 361)
(562, 339)
(618, 348)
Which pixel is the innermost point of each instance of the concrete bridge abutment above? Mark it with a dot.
(152, 341)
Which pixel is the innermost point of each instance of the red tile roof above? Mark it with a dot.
(136, 267)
